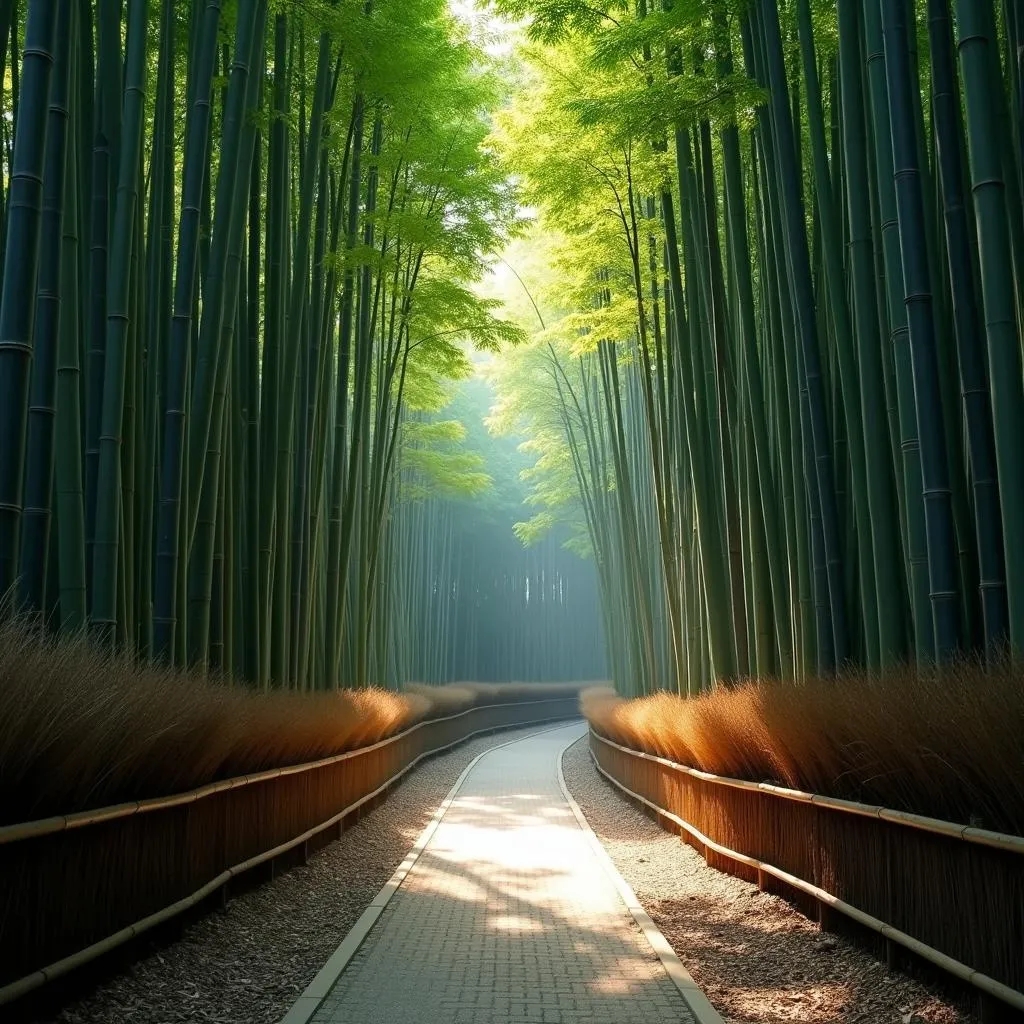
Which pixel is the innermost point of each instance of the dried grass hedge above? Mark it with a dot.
(947, 743)
(81, 728)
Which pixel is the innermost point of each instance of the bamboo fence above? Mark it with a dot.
(77, 886)
(950, 894)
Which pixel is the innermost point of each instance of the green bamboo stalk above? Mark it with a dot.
(68, 488)
(885, 541)
(21, 264)
(976, 45)
(973, 372)
(197, 130)
(220, 296)
(938, 513)
(251, 580)
(339, 501)
(106, 143)
(915, 543)
(739, 247)
(848, 383)
(39, 469)
(108, 493)
(799, 266)
(271, 569)
(232, 170)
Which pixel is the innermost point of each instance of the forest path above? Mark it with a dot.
(507, 910)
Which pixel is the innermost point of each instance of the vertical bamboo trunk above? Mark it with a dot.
(817, 440)
(971, 356)
(169, 562)
(106, 549)
(978, 58)
(21, 270)
(39, 476)
(938, 511)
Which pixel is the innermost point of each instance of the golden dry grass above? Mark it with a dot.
(455, 697)
(80, 728)
(947, 743)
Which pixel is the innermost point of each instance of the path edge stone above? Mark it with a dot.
(306, 1006)
(694, 997)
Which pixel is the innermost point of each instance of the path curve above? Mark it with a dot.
(506, 910)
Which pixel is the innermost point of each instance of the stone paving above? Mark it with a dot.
(507, 916)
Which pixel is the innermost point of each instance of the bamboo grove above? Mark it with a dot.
(238, 243)
(506, 600)
(775, 371)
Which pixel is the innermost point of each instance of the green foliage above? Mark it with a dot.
(435, 464)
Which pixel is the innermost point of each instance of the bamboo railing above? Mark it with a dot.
(950, 894)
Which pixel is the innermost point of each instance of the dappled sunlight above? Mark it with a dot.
(631, 973)
(618, 986)
(556, 812)
(452, 886)
(511, 923)
(510, 898)
(522, 853)
(734, 946)
(819, 1002)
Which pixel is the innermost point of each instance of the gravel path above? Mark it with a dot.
(248, 963)
(757, 959)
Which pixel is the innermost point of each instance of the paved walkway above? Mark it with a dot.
(507, 916)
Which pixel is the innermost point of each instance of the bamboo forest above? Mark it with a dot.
(378, 374)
